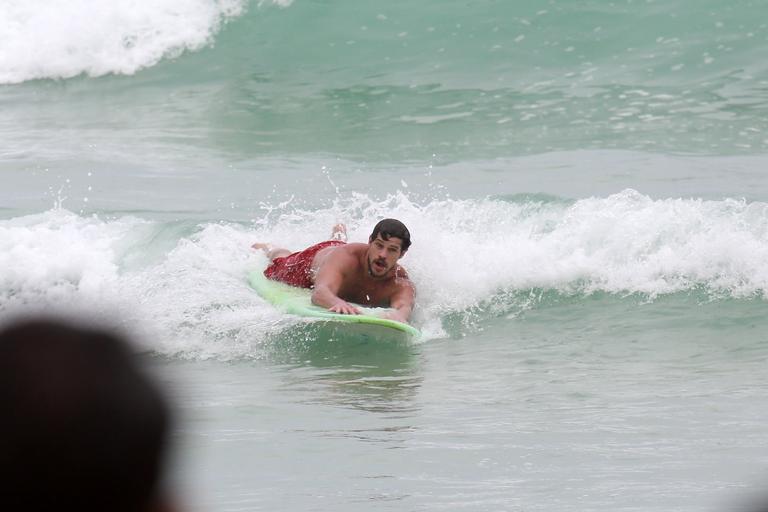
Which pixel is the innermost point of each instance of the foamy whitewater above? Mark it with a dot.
(584, 183)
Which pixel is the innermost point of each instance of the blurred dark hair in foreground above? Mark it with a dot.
(82, 426)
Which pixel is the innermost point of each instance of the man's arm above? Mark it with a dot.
(328, 283)
(402, 301)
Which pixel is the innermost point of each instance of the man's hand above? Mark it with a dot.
(345, 308)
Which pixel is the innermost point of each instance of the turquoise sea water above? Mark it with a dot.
(584, 182)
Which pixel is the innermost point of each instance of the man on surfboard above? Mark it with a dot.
(342, 275)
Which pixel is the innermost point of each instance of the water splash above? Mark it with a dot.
(471, 261)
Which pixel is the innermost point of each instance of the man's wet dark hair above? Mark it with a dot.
(82, 427)
(392, 228)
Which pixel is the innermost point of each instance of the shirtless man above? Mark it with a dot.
(340, 273)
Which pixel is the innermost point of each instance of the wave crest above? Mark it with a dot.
(472, 260)
(62, 39)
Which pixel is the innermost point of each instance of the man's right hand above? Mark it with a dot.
(344, 308)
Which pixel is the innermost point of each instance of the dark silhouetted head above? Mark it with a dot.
(82, 427)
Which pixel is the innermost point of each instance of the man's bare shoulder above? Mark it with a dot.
(401, 276)
(354, 247)
(348, 251)
(339, 256)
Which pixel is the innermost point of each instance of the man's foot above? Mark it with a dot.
(271, 251)
(262, 246)
(339, 232)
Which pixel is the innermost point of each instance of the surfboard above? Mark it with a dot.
(297, 301)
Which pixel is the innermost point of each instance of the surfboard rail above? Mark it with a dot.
(297, 301)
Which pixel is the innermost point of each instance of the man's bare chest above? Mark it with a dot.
(371, 293)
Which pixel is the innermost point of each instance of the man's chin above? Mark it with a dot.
(377, 271)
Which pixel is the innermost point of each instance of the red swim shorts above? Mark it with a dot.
(295, 269)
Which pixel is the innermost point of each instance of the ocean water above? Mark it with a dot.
(584, 180)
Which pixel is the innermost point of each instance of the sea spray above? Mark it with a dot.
(471, 260)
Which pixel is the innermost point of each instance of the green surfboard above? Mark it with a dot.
(297, 301)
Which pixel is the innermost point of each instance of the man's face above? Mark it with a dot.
(383, 255)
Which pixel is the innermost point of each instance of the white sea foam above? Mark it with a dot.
(58, 260)
(65, 38)
(465, 255)
(198, 300)
(107, 270)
